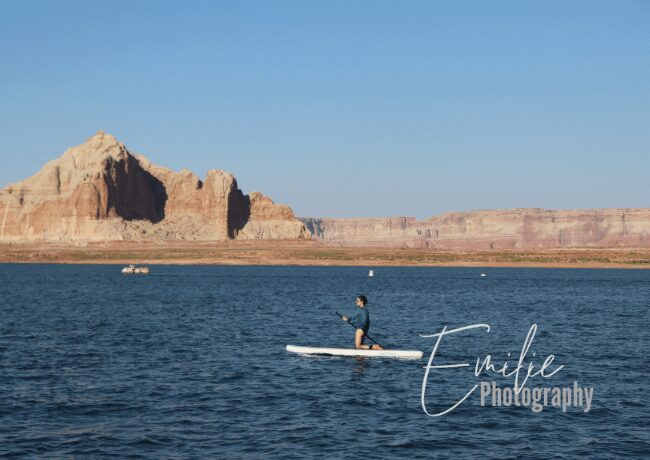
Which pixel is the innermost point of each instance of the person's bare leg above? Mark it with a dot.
(358, 336)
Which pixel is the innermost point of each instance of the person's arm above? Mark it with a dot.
(353, 320)
(356, 320)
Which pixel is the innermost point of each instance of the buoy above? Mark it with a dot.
(483, 274)
(371, 273)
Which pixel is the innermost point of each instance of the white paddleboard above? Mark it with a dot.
(400, 354)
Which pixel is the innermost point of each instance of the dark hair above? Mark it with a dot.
(363, 299)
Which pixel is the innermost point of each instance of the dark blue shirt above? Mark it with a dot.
(362, 320)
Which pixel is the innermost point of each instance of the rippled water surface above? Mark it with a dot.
(191, 362)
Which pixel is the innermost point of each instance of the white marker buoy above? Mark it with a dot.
(371, 273)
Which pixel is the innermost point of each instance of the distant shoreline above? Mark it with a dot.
(310, 253)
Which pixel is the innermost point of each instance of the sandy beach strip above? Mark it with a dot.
(314, 254)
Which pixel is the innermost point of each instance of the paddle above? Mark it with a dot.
(350, 323)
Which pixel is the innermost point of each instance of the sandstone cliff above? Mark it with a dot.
(498, 229)
(99, 191)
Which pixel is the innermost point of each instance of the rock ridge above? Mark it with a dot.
(522, 228)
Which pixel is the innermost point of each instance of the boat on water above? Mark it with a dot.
(132, 269)
(318, 351)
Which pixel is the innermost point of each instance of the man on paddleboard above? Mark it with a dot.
(362, 322)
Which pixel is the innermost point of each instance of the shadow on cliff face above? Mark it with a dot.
(314, 225)
(134, 193)
(239, 212)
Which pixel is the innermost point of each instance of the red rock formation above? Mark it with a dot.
(100, 191)
(268, 219)
(498, 229)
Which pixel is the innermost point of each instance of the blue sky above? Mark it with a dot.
(345, 108)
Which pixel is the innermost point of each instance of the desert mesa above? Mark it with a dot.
(100, 192)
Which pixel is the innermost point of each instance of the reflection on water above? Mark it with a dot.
(360, 366)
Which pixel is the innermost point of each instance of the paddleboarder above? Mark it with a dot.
(361, 322)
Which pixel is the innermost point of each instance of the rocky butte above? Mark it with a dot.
(99, 191)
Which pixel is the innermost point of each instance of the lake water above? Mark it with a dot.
(190, 362)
